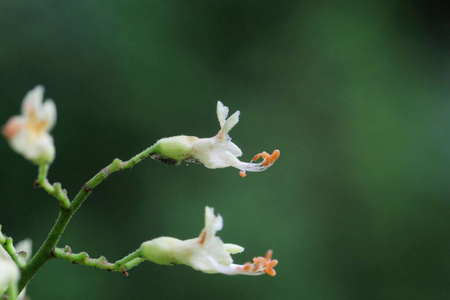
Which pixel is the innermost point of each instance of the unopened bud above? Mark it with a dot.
(175, 149)
(160, 250)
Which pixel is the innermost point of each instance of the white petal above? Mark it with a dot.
(20, 141)
(48, 113)
(216, 249)
(212, 224)
(38, 150)
(222, 113)
(230, 123)
(33, 100)
(233, 249)
(203, 263)
(9, 272)
(234, 149)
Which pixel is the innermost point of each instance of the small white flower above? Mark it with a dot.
(28, 133)
(207, 253)
(9, 272)
(215, 152)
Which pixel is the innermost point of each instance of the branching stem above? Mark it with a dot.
(48, 249)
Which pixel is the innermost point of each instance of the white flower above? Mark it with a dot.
(206, 253)
(28, 133)
(215, 152)
(9, 272)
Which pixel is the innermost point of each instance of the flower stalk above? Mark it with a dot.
(82, 258)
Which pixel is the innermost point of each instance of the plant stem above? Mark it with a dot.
(46, 251)
(12, 292)
(55, 190)
(83, 259)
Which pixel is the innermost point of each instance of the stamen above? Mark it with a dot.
(256, 157)
(269, 254)
(267, 161)
(275, 154)
(247, 267)
(202, 238)
(265, 155)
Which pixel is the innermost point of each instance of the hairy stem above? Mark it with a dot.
(47, 250)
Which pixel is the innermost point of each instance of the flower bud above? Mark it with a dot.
(160, 250)
(173, 150)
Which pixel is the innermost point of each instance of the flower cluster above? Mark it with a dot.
(29, 135)
(206, 253)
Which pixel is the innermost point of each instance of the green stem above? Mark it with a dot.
(133, 263)
(83, 259)
(7, 244)
(130, 257)
(45, 252)
(55, 190)
(12, 292)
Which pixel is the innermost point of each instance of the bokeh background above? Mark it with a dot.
(356, 97)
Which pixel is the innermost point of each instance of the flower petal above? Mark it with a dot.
(32, 100)
(233, 249)
(222, 113)
(234, 149)
(48, 113)
(230, 123)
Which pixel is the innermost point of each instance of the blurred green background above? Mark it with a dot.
(354, 95)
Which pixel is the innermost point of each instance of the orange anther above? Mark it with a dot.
(270, 267)
(242, 173)
(202, 238)
(256, 157)
(247, 267)
(267, 162)
(269, 254)
(275, 154)
(264, 154)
